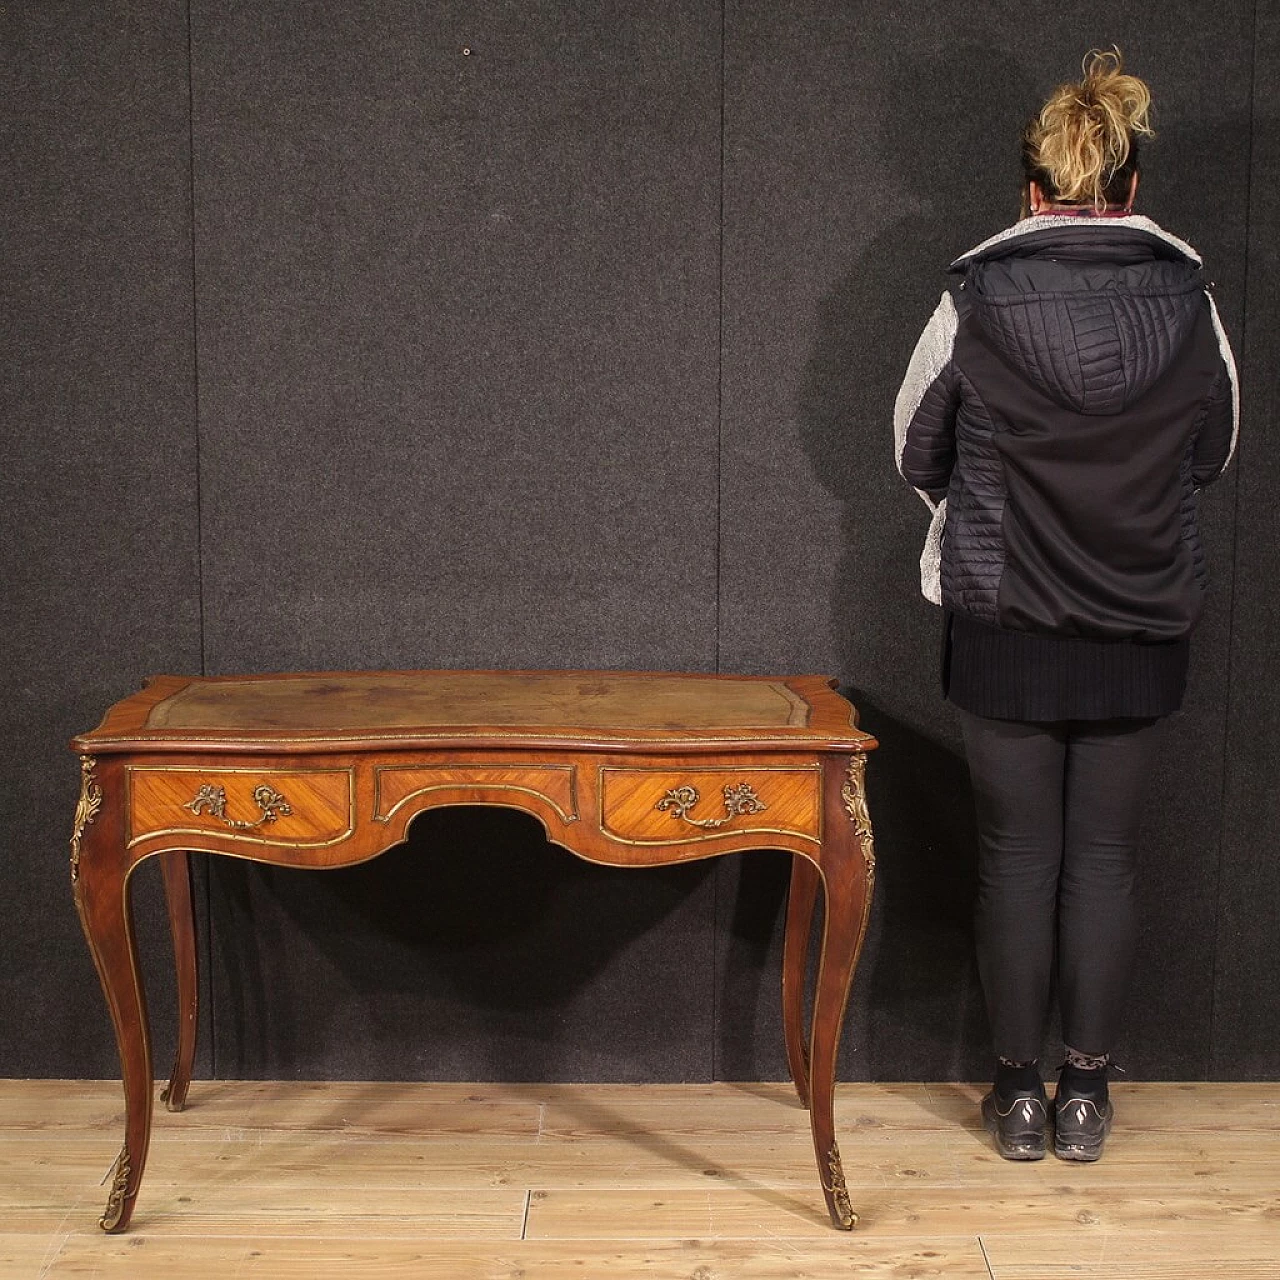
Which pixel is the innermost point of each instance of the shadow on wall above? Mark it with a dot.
(474, 950)
(918, 975)
(752, 893)
(949, 140)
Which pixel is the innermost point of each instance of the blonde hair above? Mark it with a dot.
(1083, 144)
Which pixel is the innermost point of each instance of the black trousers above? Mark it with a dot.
(1058, 811)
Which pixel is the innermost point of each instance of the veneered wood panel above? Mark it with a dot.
(397, 785)
(661, 806)
(256, 806)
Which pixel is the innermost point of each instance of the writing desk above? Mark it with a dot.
(328, 770)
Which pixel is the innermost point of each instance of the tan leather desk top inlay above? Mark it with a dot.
(328, 770)
(428, 706)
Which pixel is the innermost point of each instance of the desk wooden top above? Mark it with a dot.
(389, 709)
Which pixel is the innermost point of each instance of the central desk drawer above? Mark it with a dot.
(679, 806)
(258, 806)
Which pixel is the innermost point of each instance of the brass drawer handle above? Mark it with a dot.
(738, 800)
(269, 800)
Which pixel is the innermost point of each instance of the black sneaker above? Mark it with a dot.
(1018, 1122)
(1080, 1125)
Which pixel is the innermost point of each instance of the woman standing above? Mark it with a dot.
(1067, 401)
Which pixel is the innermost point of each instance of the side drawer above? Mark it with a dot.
(257, 806)
(682, 806)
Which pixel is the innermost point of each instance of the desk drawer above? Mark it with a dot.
(258, 806)
(682, 806)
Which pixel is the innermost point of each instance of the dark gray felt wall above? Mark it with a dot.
(332, 344)
(861, 157)
(99, 572)
(1246, 1034)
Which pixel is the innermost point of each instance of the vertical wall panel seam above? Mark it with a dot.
(720, 347)
(195, 329)
(204, 881)
(716, 972)
(1212, 1049)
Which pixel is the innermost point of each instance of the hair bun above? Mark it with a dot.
(1111, 90)
(1084, 135)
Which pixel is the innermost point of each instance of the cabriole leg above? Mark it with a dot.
(176, 871)
(101, 889)
(795, 956)
(848, 866)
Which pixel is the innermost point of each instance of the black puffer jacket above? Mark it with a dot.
(1062, 408)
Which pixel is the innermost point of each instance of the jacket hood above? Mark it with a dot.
(1091, 311)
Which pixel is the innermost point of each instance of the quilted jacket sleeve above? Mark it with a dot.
(1220, 419)
(925, 413)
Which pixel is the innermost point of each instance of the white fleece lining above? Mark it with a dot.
(931, 356)
(1224, 346)
(1041, 220)
(931, 557)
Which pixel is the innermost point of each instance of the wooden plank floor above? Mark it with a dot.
(665, 1182)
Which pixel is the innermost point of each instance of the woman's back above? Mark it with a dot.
(1061, 411)
(1086, 355)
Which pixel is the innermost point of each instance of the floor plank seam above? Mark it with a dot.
(56, 1242)
(986, 1262)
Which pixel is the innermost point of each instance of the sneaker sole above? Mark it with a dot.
(1081, 1152)
(1084, 1155)
(1029, 1150)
